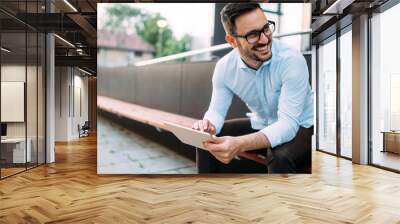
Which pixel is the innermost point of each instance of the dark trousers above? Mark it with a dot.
(290, 157)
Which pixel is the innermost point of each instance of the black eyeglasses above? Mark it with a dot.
(253, 36)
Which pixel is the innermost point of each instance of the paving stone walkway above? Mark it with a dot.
(122, 151)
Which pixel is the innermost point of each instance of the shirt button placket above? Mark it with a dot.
(261, 93)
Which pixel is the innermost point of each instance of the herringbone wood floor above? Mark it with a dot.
(70, 191)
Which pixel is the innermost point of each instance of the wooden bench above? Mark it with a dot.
(152, 117)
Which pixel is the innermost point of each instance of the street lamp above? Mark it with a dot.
(161, 23)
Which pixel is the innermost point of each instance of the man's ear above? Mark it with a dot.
(231, 40)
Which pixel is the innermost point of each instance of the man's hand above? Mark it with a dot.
(204, 125)
(223, 148)
(226, 147)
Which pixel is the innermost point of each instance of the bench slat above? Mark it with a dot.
(152, 117)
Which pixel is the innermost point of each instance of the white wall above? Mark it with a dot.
(70, 83)
(79, 117)
(12, 73)
(33, 125)
(62, 81)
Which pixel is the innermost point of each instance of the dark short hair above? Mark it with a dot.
(232, 11)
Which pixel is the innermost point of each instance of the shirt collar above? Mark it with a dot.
(242, 65)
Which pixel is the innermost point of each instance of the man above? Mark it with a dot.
(272, 79)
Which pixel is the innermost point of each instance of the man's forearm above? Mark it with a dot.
(253, 141)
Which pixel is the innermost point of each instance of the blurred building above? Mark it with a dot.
(120, 49)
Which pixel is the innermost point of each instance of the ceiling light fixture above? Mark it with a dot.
(70, 5)
(5, 50)
(337, 7)
(64, 40)
(86, 72)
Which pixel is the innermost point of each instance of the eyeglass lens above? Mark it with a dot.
(255, 36)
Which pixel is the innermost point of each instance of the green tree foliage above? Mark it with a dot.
(162, 39)
(119, 13)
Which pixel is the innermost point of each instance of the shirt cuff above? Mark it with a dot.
(272, 136)
(279, 132)
(216, 119)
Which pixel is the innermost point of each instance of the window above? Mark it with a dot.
(22, 67)
(327, 96)
(346, 94)
(139, 53)
(394, 102)
(385, 89)
(334, 106)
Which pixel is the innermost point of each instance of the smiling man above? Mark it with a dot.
(272, 79)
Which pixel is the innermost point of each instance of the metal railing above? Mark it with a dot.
(208, 49)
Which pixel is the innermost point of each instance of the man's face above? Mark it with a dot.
(261, 50)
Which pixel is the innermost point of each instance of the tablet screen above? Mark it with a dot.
(188, 135)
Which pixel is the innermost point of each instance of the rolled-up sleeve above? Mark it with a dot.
(291, 103)
(221, 99)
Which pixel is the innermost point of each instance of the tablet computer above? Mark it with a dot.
(188, 135)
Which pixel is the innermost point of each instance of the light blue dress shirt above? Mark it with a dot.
(278, 94)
